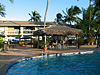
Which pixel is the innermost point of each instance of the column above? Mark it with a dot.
(76, 41)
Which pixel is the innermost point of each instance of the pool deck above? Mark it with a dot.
(14, 54)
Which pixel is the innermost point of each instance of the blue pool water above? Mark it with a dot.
(81, 64)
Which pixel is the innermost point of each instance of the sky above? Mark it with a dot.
(18, 11)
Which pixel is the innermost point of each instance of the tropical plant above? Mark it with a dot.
(86, 14)
(84, 25)
(2, 10)
(89, 13)
(1, 43)
(42, 44)
(59, 18)
(97, 15)
(89, 8)
(97, 10)
(80, 41)
(85, 22)
(71, 13)
(35, 16)
(90, 39)
(97, 3)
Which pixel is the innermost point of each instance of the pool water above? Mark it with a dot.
(81, 64)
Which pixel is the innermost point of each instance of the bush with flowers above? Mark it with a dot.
(91, 39)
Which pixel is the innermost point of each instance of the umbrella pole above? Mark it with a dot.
(45, 40)
(76, 41)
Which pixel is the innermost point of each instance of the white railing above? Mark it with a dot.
(12, 32)
(28, 31)
(17, 32)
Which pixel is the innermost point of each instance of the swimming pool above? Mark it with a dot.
(80, 64)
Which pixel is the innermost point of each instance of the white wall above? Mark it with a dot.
(6, 31)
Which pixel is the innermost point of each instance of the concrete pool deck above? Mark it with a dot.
(9, 57)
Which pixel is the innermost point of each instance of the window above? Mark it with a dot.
(29, 28)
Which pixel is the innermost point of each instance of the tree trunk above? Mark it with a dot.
(90, 15)
(45, 18)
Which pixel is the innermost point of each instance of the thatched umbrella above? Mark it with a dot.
(58, 30)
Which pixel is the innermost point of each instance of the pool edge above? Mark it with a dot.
(51, 55)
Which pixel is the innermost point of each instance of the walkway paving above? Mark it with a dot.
(18, 53)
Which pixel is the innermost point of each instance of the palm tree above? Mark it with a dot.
(2, 10)
(59, 18)
(97, 13)
(70, 15)
(97, 3)
(86, 15)
(97, 10)
(35, 16)
(85, 22)
(89, 12)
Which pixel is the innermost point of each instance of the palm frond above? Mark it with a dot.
(11, 1)
(2, 10)
(64, 12)
(34, 16)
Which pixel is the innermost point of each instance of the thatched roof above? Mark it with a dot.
(58, 30)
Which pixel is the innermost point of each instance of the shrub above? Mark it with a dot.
(1, 43)
(91, 39)
(81, 41)
(42, 44)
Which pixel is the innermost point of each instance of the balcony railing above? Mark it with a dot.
(28, 31)
(17, 32)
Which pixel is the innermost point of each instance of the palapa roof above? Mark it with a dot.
(58, 30)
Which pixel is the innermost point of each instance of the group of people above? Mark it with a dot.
(57, 44)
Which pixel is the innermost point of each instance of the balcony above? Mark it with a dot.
(28, 32)
(17, 32)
